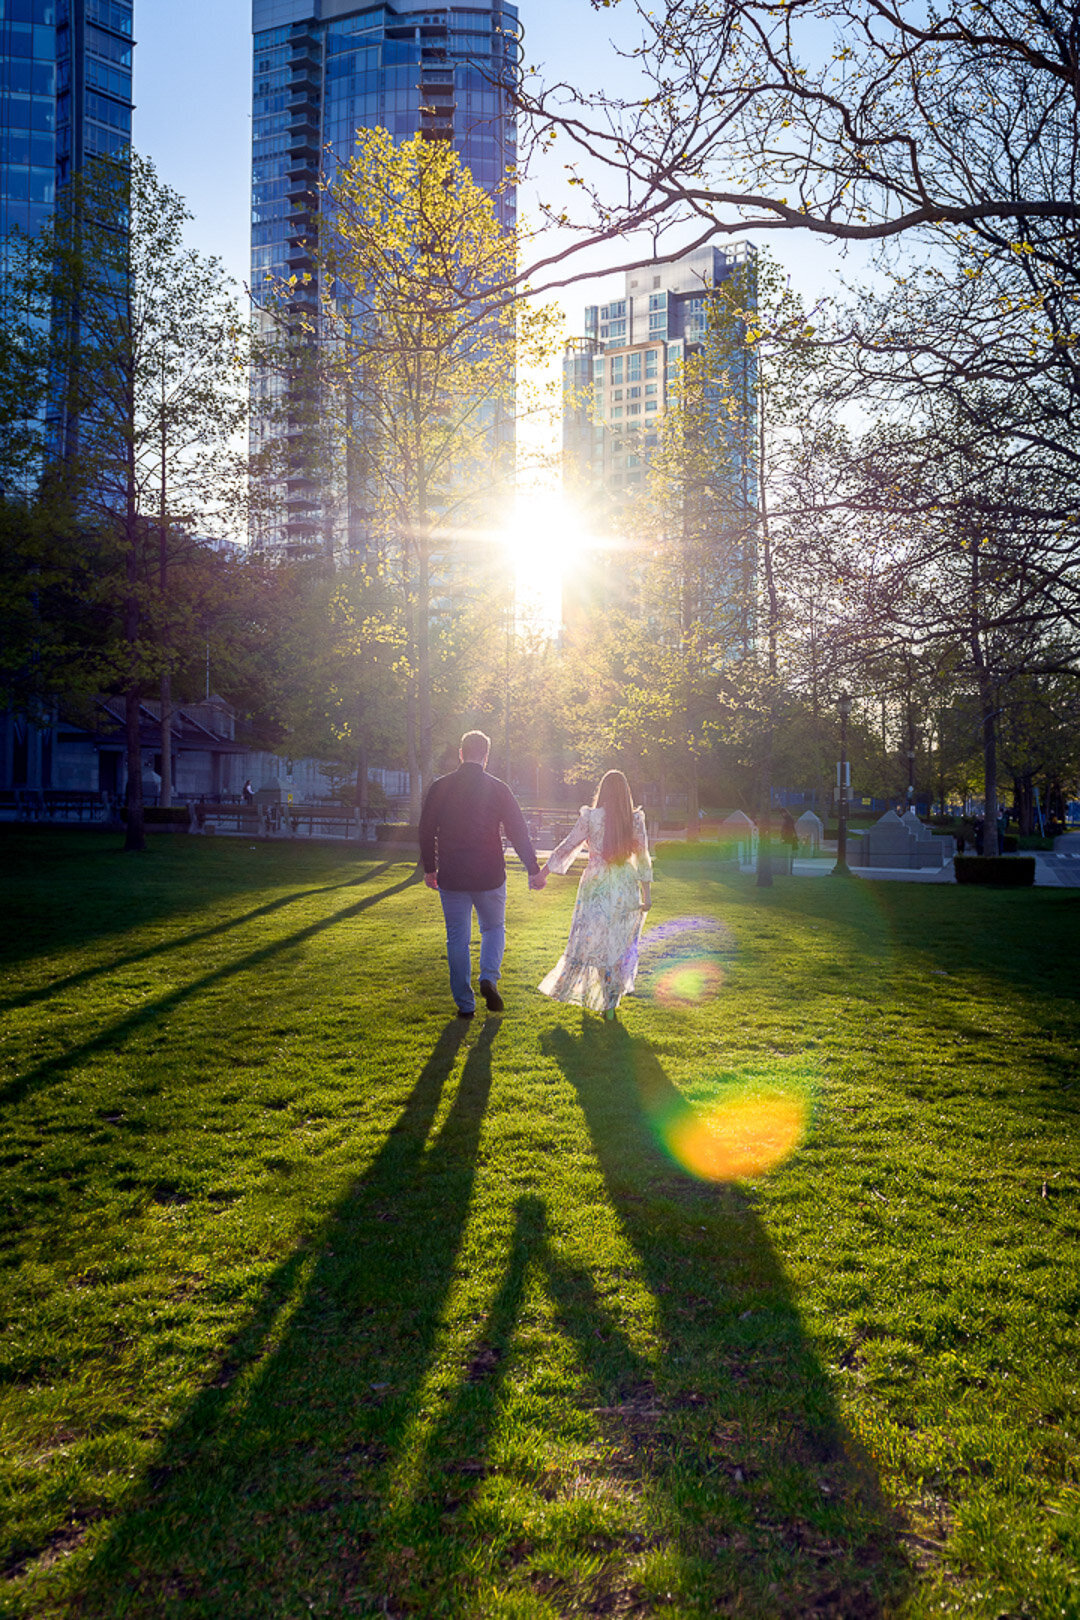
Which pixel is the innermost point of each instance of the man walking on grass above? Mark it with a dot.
(461, 848)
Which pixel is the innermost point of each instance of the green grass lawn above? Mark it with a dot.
(317, 1301)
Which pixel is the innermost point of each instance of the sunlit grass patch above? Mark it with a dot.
(317, 1301)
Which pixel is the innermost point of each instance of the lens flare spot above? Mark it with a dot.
(687, 983)
(682, 962)
(737, 1138)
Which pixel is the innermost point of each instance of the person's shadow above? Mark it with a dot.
(369, 1447)
(741, 1404)
(281, 1464)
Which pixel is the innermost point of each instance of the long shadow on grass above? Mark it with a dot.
(54, 1068)
(772, 1503)
(266, 1497)
(199, 936)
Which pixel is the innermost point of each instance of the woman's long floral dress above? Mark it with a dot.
(599, 964)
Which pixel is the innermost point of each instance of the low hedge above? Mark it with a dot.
(397, 832)
(1000, 871)
(156, 815)
(701, 850)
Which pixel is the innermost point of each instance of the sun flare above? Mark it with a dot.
(544, 544)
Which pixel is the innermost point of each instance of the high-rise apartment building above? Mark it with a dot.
(65, 99)
(325, 68)
(65, 96)
(619, 379)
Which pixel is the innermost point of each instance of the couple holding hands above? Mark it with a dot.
(461, 825)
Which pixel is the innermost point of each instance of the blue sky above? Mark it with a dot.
(193, 118)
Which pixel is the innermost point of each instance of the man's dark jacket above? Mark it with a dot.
(461, 818)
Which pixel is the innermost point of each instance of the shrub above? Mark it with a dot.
(156, 815)
(702, 850)
(397, 832)
(1000, 871)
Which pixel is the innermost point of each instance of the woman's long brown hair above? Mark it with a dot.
(613, 798)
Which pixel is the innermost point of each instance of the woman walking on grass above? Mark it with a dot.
(599, 964)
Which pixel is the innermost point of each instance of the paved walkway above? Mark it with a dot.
(1059, 869)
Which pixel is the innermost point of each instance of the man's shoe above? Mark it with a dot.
(464, 1012)
(491, 996)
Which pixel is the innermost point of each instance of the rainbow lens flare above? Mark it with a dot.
(681, 963)
(749, 1129)
(688, 983)
(738, 1138)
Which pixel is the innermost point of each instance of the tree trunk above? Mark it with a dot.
(988, 710)
(362, 783)
(415, 790)
(1024, 801)
(166, 740)
(764, 848)
(764, 860)
(693, 804)
(423, 663)
(987, 714)
(134, 836)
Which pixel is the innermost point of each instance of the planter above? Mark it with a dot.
(996, 871)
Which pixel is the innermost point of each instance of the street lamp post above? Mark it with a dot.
(842, 869)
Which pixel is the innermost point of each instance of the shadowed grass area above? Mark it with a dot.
(317, 1301)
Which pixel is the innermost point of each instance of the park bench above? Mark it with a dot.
(330, 817)
(75, 802)
(29, 804)
(239, 818)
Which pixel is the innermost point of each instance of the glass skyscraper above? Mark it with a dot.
(65, 99)
(325, 68)
(65, 96)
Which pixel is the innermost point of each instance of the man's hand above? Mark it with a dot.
(537, 879)
(431, 880)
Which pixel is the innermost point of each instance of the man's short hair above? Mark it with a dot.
(475, 747)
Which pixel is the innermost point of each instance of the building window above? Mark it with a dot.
(633, 393)
(617, 370)
(633, 367)
(650, 404)
(617, 411)
(650, 388)
(633, 410)
(617, 394)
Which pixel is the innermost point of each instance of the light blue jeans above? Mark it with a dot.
(490, 905)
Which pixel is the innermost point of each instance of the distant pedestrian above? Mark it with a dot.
(248, 793)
